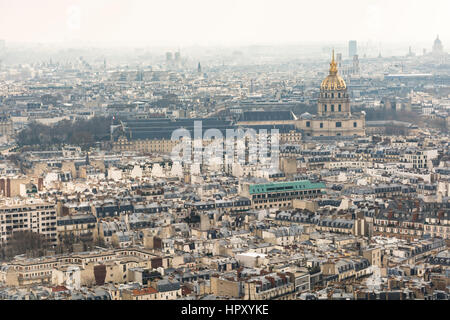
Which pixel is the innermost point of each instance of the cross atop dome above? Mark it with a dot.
(333, 65)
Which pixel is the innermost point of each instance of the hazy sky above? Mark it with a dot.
(186, 22)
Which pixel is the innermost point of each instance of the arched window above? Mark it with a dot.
(340, 108)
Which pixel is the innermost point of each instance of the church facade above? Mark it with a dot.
(334, 116)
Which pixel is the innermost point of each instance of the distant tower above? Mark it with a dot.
(199, 68)
(168, 56)
(438, 48)
(87, 158)
(139, 75)
(355, 64)
(177, 56)
(352, 48)
(339, 59)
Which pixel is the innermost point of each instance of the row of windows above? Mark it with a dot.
(325, 108)
(272, 206)
(338, 124)
(37, 274)
(28, 210)
(328, 95)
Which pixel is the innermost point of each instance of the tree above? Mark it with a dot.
(84, 133)
(26, 242)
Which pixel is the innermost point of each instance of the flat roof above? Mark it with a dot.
(280, 186)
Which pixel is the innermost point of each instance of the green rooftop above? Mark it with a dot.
(285, 186)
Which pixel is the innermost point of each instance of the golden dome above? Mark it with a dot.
(333, 81)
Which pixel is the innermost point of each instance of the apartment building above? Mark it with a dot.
(420, 159)
(280, 194)
(77, 226)
(36, 217)
(273, 286)
(437, 224)
(6, 126)
(97, 267)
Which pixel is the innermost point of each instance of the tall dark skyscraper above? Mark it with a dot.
(352, 48)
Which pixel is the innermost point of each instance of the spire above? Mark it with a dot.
(333, 65)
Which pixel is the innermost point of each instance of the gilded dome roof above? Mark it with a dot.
(333, 81)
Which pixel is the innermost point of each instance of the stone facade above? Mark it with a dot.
(334, 117)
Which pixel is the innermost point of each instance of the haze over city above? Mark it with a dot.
(214, 22)
(225, 151)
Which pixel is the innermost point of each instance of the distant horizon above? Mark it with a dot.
(387, 49)
(425, 43)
